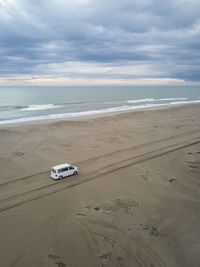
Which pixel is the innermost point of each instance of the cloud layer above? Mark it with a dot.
(99, 39)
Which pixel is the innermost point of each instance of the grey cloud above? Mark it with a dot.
(162, 34)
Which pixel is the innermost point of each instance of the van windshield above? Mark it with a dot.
(53, 170)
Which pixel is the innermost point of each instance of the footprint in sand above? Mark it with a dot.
(56, 257)
(18, 153)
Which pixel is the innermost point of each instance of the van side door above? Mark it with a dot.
(65, 171)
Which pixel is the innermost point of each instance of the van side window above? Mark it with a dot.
(71, 168)
(63, 170)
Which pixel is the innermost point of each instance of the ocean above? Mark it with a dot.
(31, 103)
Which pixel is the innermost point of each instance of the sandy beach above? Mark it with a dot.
(135, 201)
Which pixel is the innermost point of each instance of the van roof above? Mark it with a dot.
(61, 166)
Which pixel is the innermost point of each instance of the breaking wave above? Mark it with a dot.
(155, 100)
(40, 107)
(93, 112)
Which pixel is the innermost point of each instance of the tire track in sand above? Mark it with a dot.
(21, 191)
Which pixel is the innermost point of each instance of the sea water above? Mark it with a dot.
(23, 104)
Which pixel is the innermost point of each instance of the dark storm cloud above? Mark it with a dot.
(161, 36)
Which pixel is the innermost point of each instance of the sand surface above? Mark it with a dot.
(135, 201)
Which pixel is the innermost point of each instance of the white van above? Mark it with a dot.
(63, 170)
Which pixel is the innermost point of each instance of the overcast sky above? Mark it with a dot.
(65, 42)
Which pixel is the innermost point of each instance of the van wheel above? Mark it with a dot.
(75, 173)
(60, 177)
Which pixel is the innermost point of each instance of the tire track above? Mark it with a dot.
(108, 155)
(54, 186)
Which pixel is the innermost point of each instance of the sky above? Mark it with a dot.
(99, 42)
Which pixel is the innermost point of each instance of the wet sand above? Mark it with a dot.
(135, 201)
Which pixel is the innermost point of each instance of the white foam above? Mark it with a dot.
(92, 112)
(173, 98)
(155, 100)
(184, 102)
(40, 107)
(141, 100)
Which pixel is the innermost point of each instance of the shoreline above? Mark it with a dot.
(102, 133)
(98, 114)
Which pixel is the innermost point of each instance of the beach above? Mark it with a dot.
(135, 201)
